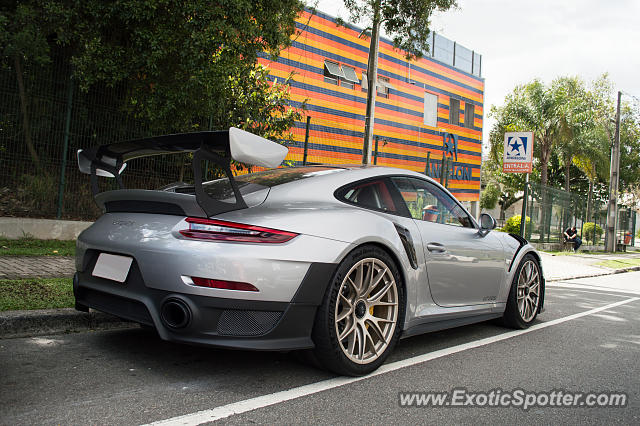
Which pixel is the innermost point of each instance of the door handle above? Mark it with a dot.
(436, 248)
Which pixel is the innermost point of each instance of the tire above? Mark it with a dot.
(357, 326)
(525, 295)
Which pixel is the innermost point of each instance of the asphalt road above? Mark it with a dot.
(130, 377)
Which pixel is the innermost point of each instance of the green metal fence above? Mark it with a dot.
(44, 120)
(553, 210)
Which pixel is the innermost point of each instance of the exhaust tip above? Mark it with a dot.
(175, 313)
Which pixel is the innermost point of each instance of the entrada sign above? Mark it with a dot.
(518, 152)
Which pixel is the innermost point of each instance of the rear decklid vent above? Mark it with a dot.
(148, 201)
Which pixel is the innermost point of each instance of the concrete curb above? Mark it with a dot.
(15, 324)
(612, 272)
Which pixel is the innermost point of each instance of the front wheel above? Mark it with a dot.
(525, 295)
(360, 319)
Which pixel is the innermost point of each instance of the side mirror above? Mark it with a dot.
(487, 222)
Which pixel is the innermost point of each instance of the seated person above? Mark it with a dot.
(430, 213)
(571, 236)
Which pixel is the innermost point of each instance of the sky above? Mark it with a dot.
(522, 40)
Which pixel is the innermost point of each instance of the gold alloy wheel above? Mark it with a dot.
(366, 311)
(528, 290)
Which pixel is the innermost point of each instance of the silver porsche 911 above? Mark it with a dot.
(338, 261)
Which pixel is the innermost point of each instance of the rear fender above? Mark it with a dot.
(351, 225)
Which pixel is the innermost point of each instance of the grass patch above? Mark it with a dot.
(35, 247)
(620, 263)
(36, 293)
(559, 253)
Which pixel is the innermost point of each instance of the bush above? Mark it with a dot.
(588, 230)
(489, 197)
(39, 194)
(512, 225)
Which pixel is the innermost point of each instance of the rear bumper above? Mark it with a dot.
(213, 321)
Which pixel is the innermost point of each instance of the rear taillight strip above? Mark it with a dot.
(221, 230)
(223, 284)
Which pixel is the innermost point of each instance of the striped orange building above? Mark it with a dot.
(425, 108)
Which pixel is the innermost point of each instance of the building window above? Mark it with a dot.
(430, 109)
(332, 72)
(350, 77)
(469, 115)
(383, 87)
(340, 75)
(454, 112)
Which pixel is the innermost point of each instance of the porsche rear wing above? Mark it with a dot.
(218, 147)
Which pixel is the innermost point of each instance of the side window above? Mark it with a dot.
(372, 194)
(416, 200)
(427, 202)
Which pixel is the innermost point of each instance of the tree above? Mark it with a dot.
(179, 61)
(22, 39)
(629, 148)
(511, 185)
(407, 23)
(569, 125)
(504, 189)
(536, 107)
(574, 120)
(633, 196)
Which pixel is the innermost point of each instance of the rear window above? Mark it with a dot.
(220, 189)
(370, 194)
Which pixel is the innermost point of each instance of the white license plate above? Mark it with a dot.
(112, 267)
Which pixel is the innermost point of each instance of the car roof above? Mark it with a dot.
(323, 186)
(362, 171)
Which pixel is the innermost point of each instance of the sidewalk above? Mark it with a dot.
(48, 321)
(55, 321)
(18, 267)
(581, 265)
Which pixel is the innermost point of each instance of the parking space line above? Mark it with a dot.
(251, 404)
(592, 291)
(568, 285)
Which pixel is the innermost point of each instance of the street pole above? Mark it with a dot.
(523, 215)
(614, 175)
(372, 80)
(426, 167)
(306, 141)
(375, 153)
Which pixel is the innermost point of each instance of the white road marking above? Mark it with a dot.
(594, 291)
(251, 404)
(562, 284)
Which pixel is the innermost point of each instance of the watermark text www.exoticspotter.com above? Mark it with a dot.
(519, 398)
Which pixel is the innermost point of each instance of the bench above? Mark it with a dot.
(567, 244)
